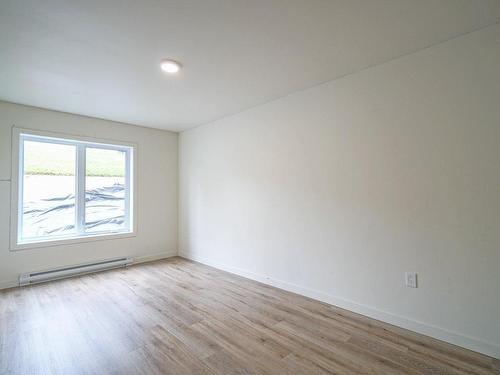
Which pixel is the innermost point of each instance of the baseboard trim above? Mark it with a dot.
(7, 284)
(442, 334)
(153, 257)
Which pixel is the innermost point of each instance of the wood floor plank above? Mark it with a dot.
(180, 317)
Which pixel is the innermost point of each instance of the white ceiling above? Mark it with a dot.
(101, 58)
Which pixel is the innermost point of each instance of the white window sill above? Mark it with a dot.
(70, 240)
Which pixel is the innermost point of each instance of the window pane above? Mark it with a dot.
(48, 190)
(104, 190)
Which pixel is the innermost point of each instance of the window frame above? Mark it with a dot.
(19, 135)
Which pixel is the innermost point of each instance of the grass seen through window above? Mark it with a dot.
(58, 163)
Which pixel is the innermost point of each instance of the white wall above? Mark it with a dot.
(157, 192)
(336, 191)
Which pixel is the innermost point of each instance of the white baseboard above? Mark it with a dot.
(152, 257)
(5, 284)
(442, 334)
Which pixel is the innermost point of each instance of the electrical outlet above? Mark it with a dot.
(411, 279)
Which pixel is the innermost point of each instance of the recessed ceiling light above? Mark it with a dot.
(170, 66)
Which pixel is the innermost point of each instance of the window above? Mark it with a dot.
(72, 189)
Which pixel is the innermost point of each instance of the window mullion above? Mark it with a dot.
(80, 189)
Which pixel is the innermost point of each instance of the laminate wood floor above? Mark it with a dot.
(180, 317)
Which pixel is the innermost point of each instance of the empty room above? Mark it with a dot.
(249, 187)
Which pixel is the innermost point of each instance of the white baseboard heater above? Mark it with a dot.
(60, 273)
